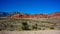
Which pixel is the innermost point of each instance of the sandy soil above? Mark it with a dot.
(31, 32)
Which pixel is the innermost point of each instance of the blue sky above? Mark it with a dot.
(30, 6)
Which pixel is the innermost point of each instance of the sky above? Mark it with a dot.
(30, 6)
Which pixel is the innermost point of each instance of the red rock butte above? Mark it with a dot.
(54, 15)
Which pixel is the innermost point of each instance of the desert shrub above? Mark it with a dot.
(52, 28)
(25, 26)
(34, 26)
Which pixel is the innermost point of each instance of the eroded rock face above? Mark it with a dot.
(55, 15)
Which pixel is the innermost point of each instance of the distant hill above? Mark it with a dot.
(54, 15)
(3, 14)
(22, 15)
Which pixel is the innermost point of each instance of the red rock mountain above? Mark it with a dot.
(54, 15)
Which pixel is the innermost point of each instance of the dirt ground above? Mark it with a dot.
(31, 32)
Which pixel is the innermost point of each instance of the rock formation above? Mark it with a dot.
(54, 15)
